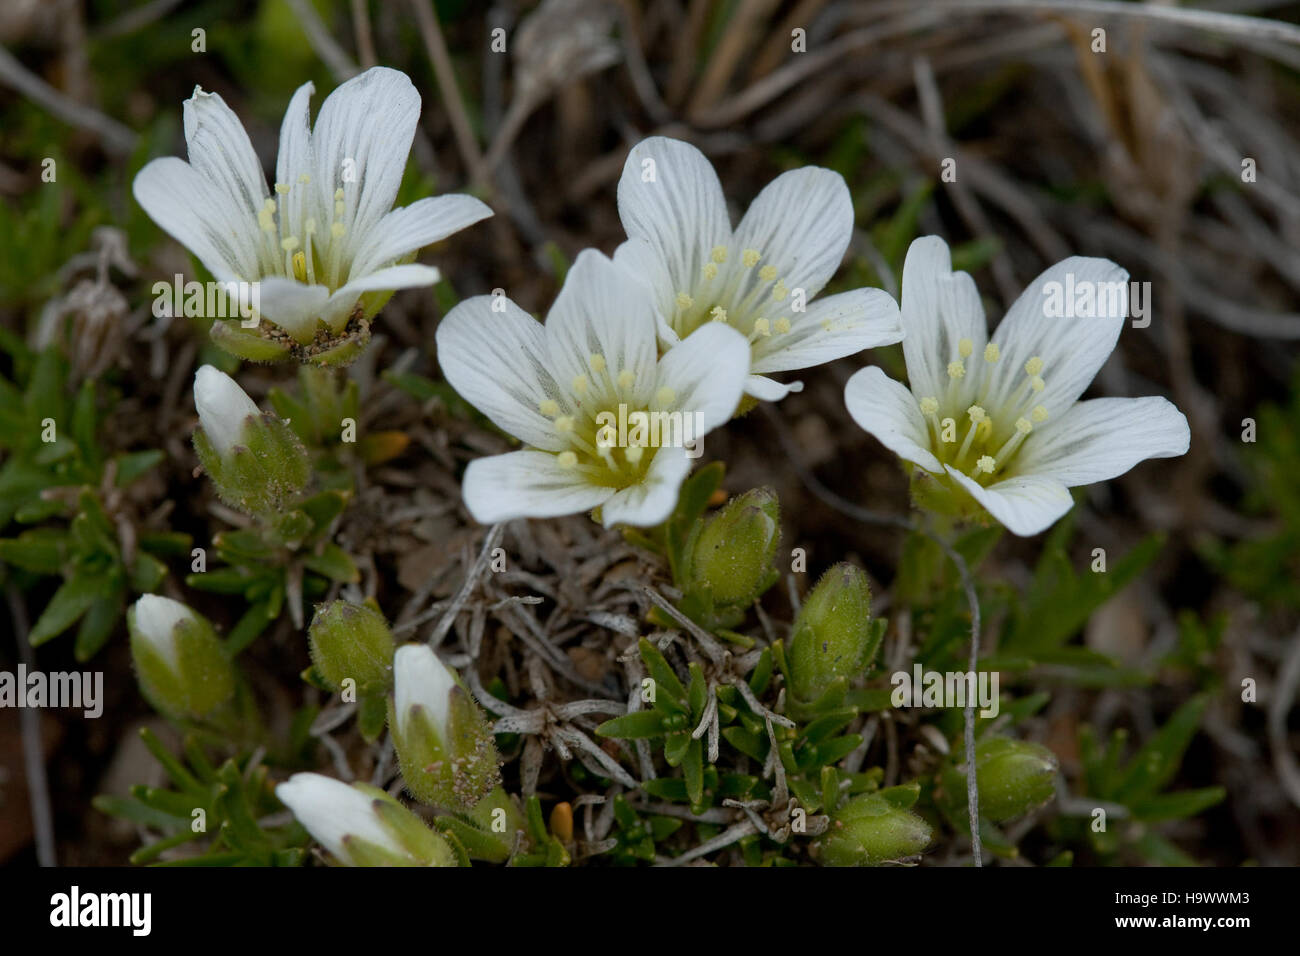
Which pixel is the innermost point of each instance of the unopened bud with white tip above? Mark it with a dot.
(180, 662)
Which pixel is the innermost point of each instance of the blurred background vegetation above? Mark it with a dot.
(1171, 145)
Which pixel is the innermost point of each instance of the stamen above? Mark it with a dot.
(1034, 366)
(626, 378)
(337, 230)
(566, 459)
(1039, 414)
(665, 396)
(985, 464)
(304, 178)
(282, 188)
(750, 258)
(782, 325)
(762, 328)
(719, 254)
(633, 454)
(992, 353)
(956, 369)
(719, 313)
(300, 266)
(580, 384)
(549, 407)
(1023, 428)
(710, 270)
(289, 243)
(767, 273)
(929, 406)
(965, 347)
(684, 301)
(780, 291)
(596, 362)
(564, 424)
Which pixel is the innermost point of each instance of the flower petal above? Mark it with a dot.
(292, 306)
(1025, 505)
(361, 142)
(669, 195)
(409, 276)
(829, 329)
(642, 264)
(219, 148)
(801, 223)
(1072, 349)
(651, 501)
(707, 373)
(889, 411)
(191, 210)
(409, 229)
(599, 312)
(494, 360)
(939, 309)
(526, 484)
(768, 389)
(1103, 438)
(294, 160)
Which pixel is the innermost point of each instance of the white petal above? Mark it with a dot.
(296, 159)
(495, 361)
(1072, 349)
(526, 484)
(889, 411)
(365, 129)
(669, 195)
(600, 311)
(220, 150)
(421, 678)
(412, 275)
(639, 260)
(191, 210)
(769, 390)
(653, 500)
(292, 306)
(223, 407)
(829, 329)
(411, 228)
(707, 373)
(1025, 505)
(801, 223)
(156, 618)
(332, 810)
(1103, 438)
(939, 309)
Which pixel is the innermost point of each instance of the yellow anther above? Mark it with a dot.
(1023, 426)
(633, 454)
(929, 406)
(549, 407)
(580, 384)
(710, 270)
(289, 243)
(266, 220)
(719, 313)
(719, 254)
(268, 204)
(750, 258)
(596, 363)
(684, 301)
(986, 464)
(780, 291)
(1034, 366)
(338, 209)
(337, 230)
(992, 353)
(1039, 414)
(564, 423)
(300, 266)
(767, 273)
(282, 188)
(626, 378)
(665, 396)
(567, 459)
(976, 414)
(782, 325)
(956, 369)
(304, 178)
(762, 327)
(338, 194)
(965, 347)
(1037, 384)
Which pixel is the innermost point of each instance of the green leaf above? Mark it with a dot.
(638, 725)
(1178, 805)
(70, 601)
(1157, 761)
(41, 550)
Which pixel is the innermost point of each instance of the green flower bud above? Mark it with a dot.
(180, 662)
(733, 554)
(869, 830)
(352, 642)
(443, 741)
(361, 825)
(1012, 776)
(254, 459)
(833, 635)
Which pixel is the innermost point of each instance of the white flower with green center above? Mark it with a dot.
(609, 424)
(327, 234)
(999, 421)
(760, 278)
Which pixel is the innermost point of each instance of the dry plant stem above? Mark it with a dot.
(868, 516)
(116, 137)
(365, 36)
(471, 577)
(339, 63)
(38, 787)
(436, 48)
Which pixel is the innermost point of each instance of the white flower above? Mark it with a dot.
(223, 407)
(559, 388)
(156, 619)
(1001, 418)
(335, 813)
(421, 679)
(760, 278)
(329, 232)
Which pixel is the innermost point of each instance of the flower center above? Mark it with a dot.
(611, 433)
(752, 299)
(975, 440)
(291, 245)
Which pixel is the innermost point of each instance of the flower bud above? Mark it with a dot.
(254, 459)
(362, 825)
(833, 635)
(869, 830)
(181, 665)
(443, 740)
(1012, 776)
(733, 555)
(352, 642)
